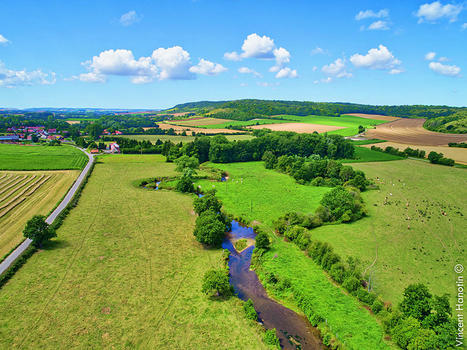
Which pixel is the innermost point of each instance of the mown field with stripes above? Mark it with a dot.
(27, 193)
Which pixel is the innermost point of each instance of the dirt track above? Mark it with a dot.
(412, 132)
(298, 127)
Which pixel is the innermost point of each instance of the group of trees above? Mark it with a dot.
(438, 158)
(218, 149)
(460, 144)
(316, 171)
(408, 152)
(422, 321)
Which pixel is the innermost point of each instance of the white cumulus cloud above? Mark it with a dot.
(444, 69)
(164, 63)
(379, 25)
(286, 72)
(337, 69)
(232, 56)
(263, 47)
(376, 58)
(430, 56)
(258, 47)
(206, 67)
(372, 14)
(246, 70)
(11, 78)
(129, 18)
(436, 10)
(318, 51)
(3, 40)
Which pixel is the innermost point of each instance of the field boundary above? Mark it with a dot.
(10, 260)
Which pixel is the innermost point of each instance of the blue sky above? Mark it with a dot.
(155, 54)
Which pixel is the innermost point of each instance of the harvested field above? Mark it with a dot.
(298, 127)
(412, 132)
(71, 122)
(374, 116)
(25, 194)
(458, 154)
(179, 129)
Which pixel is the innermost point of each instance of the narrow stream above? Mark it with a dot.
(294, 331)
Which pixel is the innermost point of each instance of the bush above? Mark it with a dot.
(377, 306)
(351, 284)
(250, 311)
(185, 184)
(208, 202)
(270, 160)
(216, 282)
(209, 229)
(405, 332)
(262, 241)
(344, 204)
(337, 272)
(365, 297)
(270, 338)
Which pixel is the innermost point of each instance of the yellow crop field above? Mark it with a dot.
(24, 194)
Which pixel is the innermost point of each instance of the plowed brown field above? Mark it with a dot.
(374, 116)
(412, 132)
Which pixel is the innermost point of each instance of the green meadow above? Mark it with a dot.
(351, 123)
(38, 157)
(243, 123)
(417, 236)
(124, 272)
(363, 154)
(257, 194)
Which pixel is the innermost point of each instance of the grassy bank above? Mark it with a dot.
(124, 272)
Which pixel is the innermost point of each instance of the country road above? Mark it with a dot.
(10, 259)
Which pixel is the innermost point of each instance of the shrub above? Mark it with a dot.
(208, 202)
(262, 241)
(365, 297)
(250, 311)
(184, 162)
(270, 338)
(405, 332)
(216, 282)
(337, 272)
(416, 302)
(209, 228)
(185, 184)
(377, 306)
(270, 160)
(351, 284)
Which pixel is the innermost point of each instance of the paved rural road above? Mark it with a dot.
(5, 264)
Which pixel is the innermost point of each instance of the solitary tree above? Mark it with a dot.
(184, 162)
(262, 241)
(209, 228)
(38, 231)
(417, 301)
(216, 282)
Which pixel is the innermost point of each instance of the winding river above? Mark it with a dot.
(294, 331)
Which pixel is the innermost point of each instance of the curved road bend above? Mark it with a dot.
(10, 259)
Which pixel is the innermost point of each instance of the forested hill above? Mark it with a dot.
(443, 118)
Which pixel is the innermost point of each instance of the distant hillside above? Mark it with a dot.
(445, 118)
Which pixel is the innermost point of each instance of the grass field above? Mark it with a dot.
(242, 123)
(418, 193)
(363, 154)
(25, 194)
(35, 157)
(262, 197)
(124, 272)
(350, 123)
(252, 192)
(458, 154)
(179, 138)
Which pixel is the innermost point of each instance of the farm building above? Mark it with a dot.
(94, 151)
(114, 148)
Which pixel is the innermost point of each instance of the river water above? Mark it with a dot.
(294, 331)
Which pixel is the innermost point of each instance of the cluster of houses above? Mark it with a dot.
(27, 133)
(107, 132)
